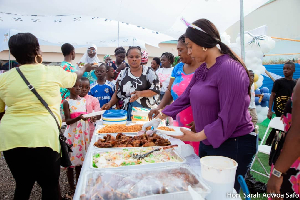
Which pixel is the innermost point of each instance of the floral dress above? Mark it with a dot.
(92, 105)
(181, 81)
(78, 133)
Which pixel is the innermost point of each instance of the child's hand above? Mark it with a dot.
(83, 118)
(95, 118)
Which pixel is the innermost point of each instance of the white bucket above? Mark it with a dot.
(219, 173)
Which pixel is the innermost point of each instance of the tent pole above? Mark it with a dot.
(118, 33)
(242, 31)
(8, 51)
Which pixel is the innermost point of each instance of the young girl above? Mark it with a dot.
(77, 132)
(92, 103)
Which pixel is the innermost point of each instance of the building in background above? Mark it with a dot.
(282, 20)
(52, 54)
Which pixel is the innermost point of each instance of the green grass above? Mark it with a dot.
(263, 158)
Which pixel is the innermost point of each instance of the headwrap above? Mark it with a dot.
(86, 59)
(106, 56)
(144, 57)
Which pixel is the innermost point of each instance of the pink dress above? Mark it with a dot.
(77, 133)
(181, 81)
(92, 104)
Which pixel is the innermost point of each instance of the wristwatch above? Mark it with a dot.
(276, 173)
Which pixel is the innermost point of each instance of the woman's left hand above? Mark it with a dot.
(187, 135)
(135, 95)
(274, 185)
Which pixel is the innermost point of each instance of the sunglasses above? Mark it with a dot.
(91, 51)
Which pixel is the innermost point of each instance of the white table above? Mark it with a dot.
(184, 150)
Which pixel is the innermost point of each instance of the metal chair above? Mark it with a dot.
(274, 123)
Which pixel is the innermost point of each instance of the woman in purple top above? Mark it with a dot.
(219, 94)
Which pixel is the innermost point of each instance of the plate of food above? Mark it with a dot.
(171, 130)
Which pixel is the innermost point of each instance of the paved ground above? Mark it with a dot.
(7, 183)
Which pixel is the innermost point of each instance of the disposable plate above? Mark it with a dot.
(177, 131)
(94, 114)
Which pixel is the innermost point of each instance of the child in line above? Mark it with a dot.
(281, 92)
(164, 73)
(100, 89)
(92, 103)
(110, 79)
(77, 131)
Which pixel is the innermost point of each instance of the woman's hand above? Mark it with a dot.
(153, 123)
(121, 67)
(192, 126)
(89, 67)
(188, 135)
(153, 113)
(274, 185)
(135, 95)
(106, 106)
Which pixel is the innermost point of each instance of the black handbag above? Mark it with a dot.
(65, 148)
(276, 146)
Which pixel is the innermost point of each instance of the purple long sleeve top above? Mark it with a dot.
(219, 100)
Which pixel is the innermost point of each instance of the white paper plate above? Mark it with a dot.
(177, 131)
(94, 114)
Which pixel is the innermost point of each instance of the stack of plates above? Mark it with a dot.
(114, 117)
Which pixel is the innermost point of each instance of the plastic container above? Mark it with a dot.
(167, 183)
(139, 150)
(102, 135)
(219, 174)
(114, 117)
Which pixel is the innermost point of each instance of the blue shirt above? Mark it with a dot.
(102, 92)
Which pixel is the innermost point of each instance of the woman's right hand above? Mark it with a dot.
(153, 113)
(89, 67)
(106, 106)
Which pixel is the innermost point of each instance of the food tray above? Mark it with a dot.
(140, 150)
(167, 183)
(102, 126)
(102, 135)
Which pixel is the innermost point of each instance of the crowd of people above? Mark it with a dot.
(209, 91)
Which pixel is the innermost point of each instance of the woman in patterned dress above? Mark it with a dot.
(137, 85)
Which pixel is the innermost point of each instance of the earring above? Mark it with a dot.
(204, 49)
(38, 60)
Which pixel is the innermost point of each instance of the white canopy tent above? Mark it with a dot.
(80, 30)
(85, 19)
